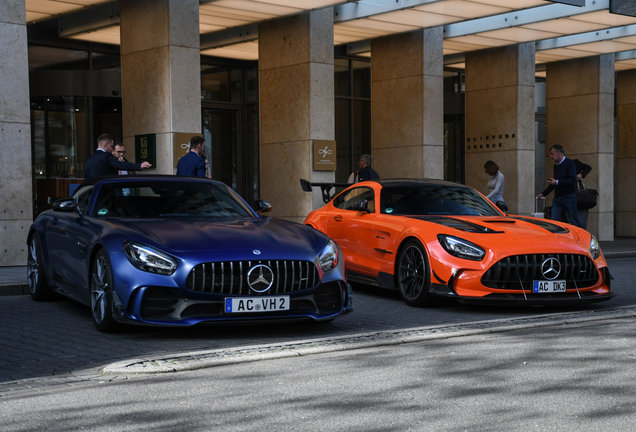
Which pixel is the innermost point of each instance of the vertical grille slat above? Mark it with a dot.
(577, 270)
(241, 277)
(230, 277)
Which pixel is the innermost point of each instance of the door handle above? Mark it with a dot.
(337, 218)
(55, 221)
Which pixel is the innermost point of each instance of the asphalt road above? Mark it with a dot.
(41, 341)
(566, 378)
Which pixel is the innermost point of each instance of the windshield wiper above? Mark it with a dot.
(174, 214)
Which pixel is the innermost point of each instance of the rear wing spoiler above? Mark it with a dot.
(325, 188)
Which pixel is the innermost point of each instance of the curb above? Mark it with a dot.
(221, 357)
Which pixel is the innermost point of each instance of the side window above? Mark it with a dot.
(83, 197)
(347, 200)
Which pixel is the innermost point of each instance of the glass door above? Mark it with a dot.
(454, 148)
(233, 155)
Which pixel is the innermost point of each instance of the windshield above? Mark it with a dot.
(434, 199)
(158, 199)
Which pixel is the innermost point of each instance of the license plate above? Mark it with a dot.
(548, 286)
(256, 304)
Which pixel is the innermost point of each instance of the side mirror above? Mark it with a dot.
(68, 205)
(361, 206)
(262, 207)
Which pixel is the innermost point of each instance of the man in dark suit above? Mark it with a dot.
(563, 183)
(119, 153)
(102, 163)
(192, 164)
(365, 171)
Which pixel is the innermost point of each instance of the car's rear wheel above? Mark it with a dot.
(102, 293)
(38, 288)
(413, 274)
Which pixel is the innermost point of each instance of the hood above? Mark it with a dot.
(512, 231)
(193, 235)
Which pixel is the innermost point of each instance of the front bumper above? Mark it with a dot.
(165, 306)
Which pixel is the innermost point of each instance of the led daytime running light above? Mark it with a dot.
(149, 259)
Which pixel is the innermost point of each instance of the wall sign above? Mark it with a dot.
(146, 148)
(490, 142)
(324, 155)
(181, 145)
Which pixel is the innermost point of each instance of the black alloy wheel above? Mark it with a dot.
(102, 293)
(38, 288)
(413, 274)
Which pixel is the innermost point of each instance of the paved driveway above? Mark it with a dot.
(57, 339)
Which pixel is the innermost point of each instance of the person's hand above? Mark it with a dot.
(552, 181)
(145, 165)
(579, 176)
(539, 196)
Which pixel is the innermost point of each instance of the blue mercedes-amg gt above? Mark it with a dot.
(178, 251)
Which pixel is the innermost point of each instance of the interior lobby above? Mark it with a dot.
(428, 88)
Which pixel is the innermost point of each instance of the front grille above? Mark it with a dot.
(230, 277)
(516, 271)
(157, 302)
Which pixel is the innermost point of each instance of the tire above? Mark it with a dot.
(36, 277)
(413, 275)
(102, 293)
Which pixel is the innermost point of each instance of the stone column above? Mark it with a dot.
(407, 104)
(296, 103)
(626, 154)
(500, 121)
(580, 117)
(16, 212)
(160, 74)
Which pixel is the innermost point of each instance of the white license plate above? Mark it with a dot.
(548, 286)
(256, 304)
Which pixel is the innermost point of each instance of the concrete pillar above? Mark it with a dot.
(296, 103)
(626, 154)
(407, 104)
(160, 74)
(16, 212)
(580, 117)
(500, 122)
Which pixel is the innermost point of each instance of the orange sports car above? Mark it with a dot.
(429, 238)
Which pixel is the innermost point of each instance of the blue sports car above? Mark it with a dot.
(178, 251)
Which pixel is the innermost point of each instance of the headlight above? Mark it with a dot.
(328, 258)
(461, 248)
(595, 249)
(149, 259)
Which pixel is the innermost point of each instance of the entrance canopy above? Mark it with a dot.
(560, 29)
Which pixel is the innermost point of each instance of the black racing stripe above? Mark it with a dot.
(461, 225)
(555, 229)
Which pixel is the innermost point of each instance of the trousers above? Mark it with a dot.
(565, 204)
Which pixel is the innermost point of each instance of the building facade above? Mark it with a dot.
(429, 88)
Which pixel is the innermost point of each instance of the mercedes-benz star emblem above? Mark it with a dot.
(551, 268)
(260, 278)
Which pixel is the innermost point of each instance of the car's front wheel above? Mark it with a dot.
(413, 274)
(102, 293)
(38, 288)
